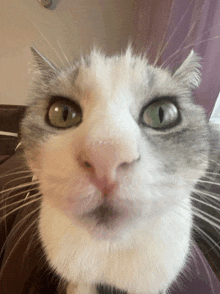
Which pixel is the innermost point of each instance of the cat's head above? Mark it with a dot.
(114, 141)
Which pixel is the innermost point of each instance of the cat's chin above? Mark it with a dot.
(105, 233)
(104, 222)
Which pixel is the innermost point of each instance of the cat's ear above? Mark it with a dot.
(189, 71)
(46, 67)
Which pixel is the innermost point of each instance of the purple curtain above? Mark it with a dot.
(169, 29)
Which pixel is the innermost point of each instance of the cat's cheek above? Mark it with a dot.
(68, 205)
(34, 161)
(68, 213)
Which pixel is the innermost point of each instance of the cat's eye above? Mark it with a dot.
(64, 114)
(161, 114)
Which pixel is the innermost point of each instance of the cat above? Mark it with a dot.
(117, 146)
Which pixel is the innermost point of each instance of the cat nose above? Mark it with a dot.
(102, 159)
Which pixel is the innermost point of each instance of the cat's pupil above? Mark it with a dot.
(65, 113)
(161, 114)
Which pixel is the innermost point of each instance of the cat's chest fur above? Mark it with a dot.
(117, 146)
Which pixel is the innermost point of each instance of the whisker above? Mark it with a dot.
(16, 179)
(212, 196)
(148, 49)
(44, 37)
(208, 182)
(188, 34)
(208, 239)
(32, 201)
(207, 272)
(208, 178)
(161, 44)
(63, 53)
(203, 180)
(205, 203)
(21, 166)
(188, 46)
(174, 31)
(211, 177)
(199, 213)
(15, 173)
(4, 265)
(13, 231)
(178, 49)
(29, 244)
(215, 162)
(212, 173)
(20, 193)
(20, 186)
(17, 202)
(208, 203)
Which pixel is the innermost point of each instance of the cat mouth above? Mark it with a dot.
(103, 222)
(104, 214)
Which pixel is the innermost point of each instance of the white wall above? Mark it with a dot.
(75, 25)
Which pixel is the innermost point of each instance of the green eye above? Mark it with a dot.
(161, 114)
(64, 114)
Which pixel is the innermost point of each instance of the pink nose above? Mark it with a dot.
(102, 161)
(104, 185)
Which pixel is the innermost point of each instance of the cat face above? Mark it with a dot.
(114, 141)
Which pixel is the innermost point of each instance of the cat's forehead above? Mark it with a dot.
(124, 70)
(113, 77)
